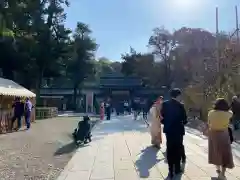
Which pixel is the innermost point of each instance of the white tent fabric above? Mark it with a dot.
(10, 88)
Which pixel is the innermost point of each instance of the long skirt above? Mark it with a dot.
(156, 138)
(219, 149)
(156, 133)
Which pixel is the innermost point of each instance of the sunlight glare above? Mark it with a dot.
(184, 7)
(184, 4)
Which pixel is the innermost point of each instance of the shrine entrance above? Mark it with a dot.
(120, 96)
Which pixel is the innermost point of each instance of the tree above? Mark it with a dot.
(144, 67)
(40, 37)
(48, 18)
(81, 63)
(7, 48)
(129, 61)
(103, 67)
(116, 66)
(207, 79)
(163, 44)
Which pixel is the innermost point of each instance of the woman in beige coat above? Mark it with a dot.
(155, 120)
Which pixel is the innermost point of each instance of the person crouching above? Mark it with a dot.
(82, 134)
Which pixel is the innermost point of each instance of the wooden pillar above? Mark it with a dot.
(89, 101)
(33, 113)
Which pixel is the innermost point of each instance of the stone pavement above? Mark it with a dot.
(120, 151)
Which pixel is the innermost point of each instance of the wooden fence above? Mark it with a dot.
(46, 112)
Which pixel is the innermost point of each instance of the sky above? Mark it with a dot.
(118, 25)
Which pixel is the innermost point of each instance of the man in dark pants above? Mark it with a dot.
(136, 108)
(18, 112)
(108, 109)
(174, 119)
(28, 111)
(235, 107)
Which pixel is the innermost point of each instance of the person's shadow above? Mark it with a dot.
(146, 161)
(68, 148)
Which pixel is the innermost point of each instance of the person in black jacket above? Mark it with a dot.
(108, 109)
(174, 118)
(235, 107)
(82, 134)
(136, 108)
(18, 113)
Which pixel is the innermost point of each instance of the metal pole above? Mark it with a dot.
(237, 27)
(217, 41)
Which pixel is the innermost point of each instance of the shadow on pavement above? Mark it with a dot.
(146, 161)
(66, 149)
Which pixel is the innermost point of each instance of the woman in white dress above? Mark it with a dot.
(155, 120)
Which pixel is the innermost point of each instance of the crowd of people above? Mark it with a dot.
(21, 109)
(172, 115)
(222, 120)
(137, 106)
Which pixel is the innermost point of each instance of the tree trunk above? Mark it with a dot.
(38, 86)
(75, 94)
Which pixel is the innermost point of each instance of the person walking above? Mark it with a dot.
(136, 108)
(102, 111)
(219, 144)
(235, 107)
(155, 126)
(174, 118)
(108, 109)
(126, 105)
(18, 113)
(145, 109)
(28, 110)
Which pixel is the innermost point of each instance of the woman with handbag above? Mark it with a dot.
(219, 142)
(155, 127)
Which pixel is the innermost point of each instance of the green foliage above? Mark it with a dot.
(80, 64)
(129, 61)
(35, 44)
(145, 67)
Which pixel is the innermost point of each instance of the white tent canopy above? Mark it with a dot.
(10, 88)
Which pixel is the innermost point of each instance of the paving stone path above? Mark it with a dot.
(121, 150)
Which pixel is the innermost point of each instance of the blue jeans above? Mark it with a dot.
(27, 119)
(19, 121)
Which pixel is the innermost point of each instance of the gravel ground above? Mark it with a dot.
(40, 153)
